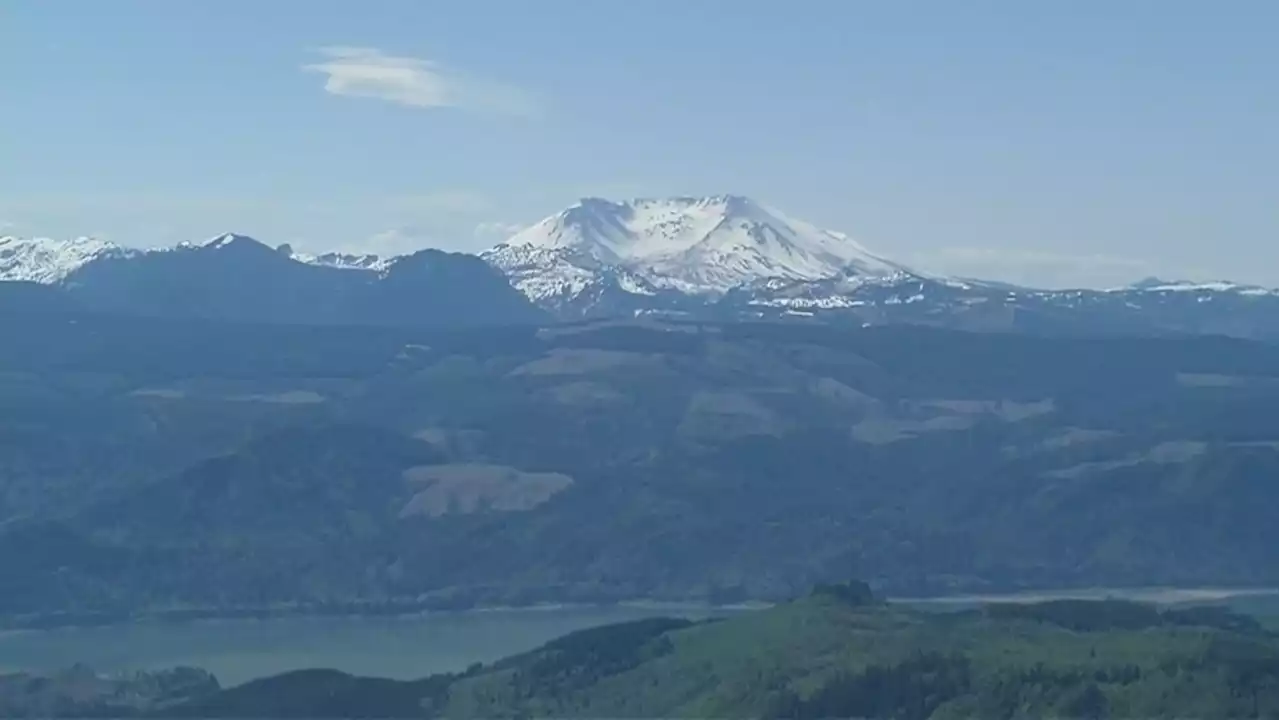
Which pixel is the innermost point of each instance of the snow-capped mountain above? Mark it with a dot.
(45, 260)
(695, 246)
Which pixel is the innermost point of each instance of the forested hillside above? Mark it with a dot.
(210, 466)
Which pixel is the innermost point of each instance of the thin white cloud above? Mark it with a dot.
(1033, 267)
(441, 203)
(1023, 258)
(397, 241)
(497, 229)
(414, 82)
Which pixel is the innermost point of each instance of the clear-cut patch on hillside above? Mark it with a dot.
(585, 393)
(882, 426)
(468, 488)
(724, 415)
(1219, 380)
(574, 361)
(1165, 453)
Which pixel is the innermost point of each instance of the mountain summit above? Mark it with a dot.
(693, 245)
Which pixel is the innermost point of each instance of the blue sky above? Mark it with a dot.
(1058, 143)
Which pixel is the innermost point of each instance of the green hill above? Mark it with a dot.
(834, 654)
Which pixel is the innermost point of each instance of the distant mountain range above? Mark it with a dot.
(710, 258)
(234, 277)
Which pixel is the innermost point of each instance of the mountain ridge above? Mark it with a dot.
(236, 277)
(718, 257)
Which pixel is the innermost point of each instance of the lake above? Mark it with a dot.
(403, 647)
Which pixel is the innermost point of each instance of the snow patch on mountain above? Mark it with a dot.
(225, 240)
(45, 260)
(1157, 285)
(561, 272)
(346, 261)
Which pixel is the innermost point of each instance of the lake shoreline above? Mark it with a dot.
(1160, 595)
(65, 621)
(403, 647)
